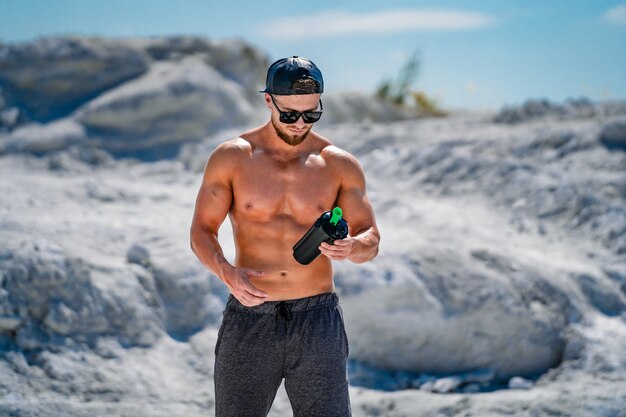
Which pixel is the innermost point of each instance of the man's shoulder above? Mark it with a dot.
(232, 149)
(343, 163)
(234, 146)
(226, 156)
(340, 157)
(243, 145)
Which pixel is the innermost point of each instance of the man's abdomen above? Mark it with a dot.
(283, 277)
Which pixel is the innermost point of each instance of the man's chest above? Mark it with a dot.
(265, 188)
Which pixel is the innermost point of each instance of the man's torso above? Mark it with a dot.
(275, 201)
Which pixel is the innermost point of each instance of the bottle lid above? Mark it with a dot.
(336, 215)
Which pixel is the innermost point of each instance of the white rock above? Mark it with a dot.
(457, 286)
(61, 319)
(447, 384)
(518, 382)
(9, 322)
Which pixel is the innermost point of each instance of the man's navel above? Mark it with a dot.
(283, 273)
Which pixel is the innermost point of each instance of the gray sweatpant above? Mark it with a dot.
(303, 341)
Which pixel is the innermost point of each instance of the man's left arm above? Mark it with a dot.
(361, 244)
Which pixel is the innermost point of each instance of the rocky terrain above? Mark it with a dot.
(500, 287)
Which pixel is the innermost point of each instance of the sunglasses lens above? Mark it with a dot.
(311, 116)
(288, 117)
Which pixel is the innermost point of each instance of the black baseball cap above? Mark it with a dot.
(282, 73)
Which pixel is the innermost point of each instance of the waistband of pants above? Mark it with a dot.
(297, 304)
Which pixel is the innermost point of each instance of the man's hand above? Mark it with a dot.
(238, 281)
(340, 250)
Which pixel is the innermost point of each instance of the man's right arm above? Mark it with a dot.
(212, 206)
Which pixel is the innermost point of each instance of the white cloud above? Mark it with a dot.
(617, 15)
(471, 87)
(334, 23)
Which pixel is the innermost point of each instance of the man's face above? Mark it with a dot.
(292, 134)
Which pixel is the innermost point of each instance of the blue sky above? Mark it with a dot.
(474, 53)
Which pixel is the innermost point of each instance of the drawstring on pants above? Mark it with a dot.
(284, 311)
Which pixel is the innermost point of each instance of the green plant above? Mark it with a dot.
(426, 105)
(398, 91)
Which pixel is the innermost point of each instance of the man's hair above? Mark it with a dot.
(304, 86)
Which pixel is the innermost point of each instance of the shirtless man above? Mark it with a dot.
(273, 182)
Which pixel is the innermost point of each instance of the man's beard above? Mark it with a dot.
(288, 138)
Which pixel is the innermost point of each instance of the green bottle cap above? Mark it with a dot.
(336, 215)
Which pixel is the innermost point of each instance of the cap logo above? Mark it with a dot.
(295, 75)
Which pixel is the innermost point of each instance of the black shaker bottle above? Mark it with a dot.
(327, 228)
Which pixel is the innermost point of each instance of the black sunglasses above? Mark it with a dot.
(289, 117)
